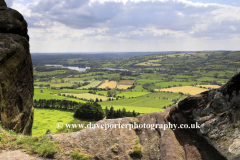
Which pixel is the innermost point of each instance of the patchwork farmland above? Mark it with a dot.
(109, 84)
(125, 84)
(188, 73)
(151, 102)
(92, 84)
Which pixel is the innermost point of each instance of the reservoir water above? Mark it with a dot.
(81, 69)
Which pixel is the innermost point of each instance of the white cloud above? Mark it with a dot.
(180, 14)
(142, 23)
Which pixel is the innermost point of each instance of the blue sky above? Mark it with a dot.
(130, 25)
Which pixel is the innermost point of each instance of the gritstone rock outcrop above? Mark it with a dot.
(218, 138)
(16, 72)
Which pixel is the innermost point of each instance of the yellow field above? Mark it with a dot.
(123, 86)
(126, 82)
(211, 86)
(184, 89)
(88, 96)
(110, 84)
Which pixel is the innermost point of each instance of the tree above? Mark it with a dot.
(111, 93)
(110, 113)
(89, 110)
(124, 112)
(134, 114)
(106, 111)
(96, 100)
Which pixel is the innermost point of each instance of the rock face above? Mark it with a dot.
(16, 72)
(218, 113)
(215, 112)
(11, 21)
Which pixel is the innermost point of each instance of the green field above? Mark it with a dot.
(68, 82)
(141, 110)
(50, 73)
(139, 88)
(52, 84)
(47, 119)
(89, 96)
(102, 92)
(147, 103)
(50, 94)
(132, 94)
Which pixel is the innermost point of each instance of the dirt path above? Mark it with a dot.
(17, 155)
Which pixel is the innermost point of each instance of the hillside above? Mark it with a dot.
(189, 109)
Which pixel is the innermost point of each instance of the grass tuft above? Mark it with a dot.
(42, 145)
(80, 156)
(137, 149)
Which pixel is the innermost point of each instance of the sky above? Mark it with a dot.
(130, 25)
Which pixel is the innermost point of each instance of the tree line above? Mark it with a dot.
(94, 111)
(111, 113)
(89, 110)
(53, 103)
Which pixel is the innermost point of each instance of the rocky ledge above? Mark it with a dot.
(16, 72)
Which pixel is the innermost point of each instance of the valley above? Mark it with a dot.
(148, 83)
